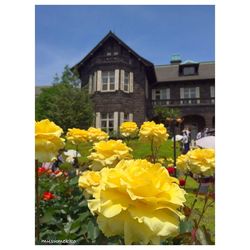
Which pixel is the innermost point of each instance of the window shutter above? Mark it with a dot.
(115, 121)
(90, 84)
(121, 117)
(212, 94)
(153, 94)
(98, 120)
(122, 79)
(197, 89)
(99, 80)
(182, 94)
(131, 82)
(117, 79)
(94, 82)
(168, 94)
(131, 117)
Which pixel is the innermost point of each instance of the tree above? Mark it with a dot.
(162, 113)
(65, 102)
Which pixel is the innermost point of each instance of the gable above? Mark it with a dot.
(111, 43)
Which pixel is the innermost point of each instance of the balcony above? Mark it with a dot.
(184, 102)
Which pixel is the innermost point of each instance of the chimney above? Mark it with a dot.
(175, 59)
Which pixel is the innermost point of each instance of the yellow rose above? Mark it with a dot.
(96, 134)
(76, 135)
(47, 140)
(128, 129)
(182, 163)
(153, 133)
(139, 201)
(170, 160)
(88, 180)
(108, 154)
(202, 161)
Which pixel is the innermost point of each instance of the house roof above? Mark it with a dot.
(108, 36)
(170, 72)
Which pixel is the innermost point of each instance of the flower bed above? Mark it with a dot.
(106, 196)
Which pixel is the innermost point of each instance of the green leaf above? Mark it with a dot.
(74, 181)
(48, 215)
(67, 227)
(84, 229)
(83, 203)
(186, 227)
(83, 216)
(93, 231)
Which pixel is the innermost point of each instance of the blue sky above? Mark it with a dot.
(65, 34)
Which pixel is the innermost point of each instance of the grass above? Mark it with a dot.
(142, 150)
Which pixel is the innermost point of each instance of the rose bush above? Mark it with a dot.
(119, 200)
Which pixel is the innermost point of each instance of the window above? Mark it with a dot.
(108, 80)
(107, 122)
(126, 81)
(116, 51)
(188, 71)
(212, 93)
(190, 93)
(108, 52)
(161, 95)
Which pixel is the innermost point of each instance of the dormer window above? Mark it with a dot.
(188, 68)
(188, 71)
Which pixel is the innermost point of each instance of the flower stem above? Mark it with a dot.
(37, 202)
(203, 210)
(195, 200)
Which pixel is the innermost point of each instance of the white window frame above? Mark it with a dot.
(109, 118)
(126, 81)
(187, 94)
(158, 95)
(108, 81)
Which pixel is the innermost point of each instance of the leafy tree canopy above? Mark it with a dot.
(65, 102)
(162, 113)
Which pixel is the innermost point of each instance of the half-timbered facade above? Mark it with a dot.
(125, 87)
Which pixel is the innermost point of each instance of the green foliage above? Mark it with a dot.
(65, 103)
(162, 113)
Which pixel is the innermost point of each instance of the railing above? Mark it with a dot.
(184, 102)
